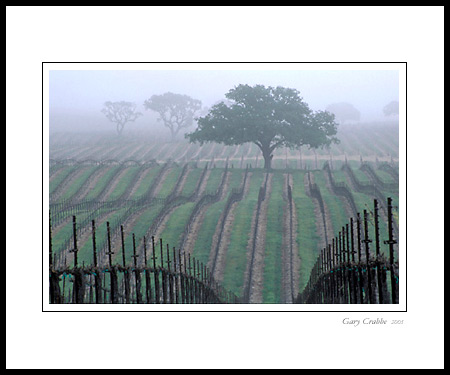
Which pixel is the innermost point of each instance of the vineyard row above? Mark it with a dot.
(209, 213)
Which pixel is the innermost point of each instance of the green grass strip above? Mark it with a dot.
(146, 182)
(60, 177)
(236, 259)
(123, 183)
(175, 225)
(203, 243)
(169, 182)
(272, 286)
(78, 183)
(307, 238)
(100, 185)
(191, 181)
(336, 208)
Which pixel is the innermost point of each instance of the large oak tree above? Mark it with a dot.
(267, 116)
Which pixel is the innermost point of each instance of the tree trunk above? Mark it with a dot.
(173, 133)
(267, 154)
(119, 128)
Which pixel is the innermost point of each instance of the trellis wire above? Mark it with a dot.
(174, 280)
(337, 277)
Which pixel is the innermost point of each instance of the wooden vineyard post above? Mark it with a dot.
(330, 275)
(208, 285)
(349, 266)
(137, 273)
(126, 275)
(321, 281)
(171, 299)
(368, 267)
(190, 283)
(175, 275)
(203, 283)
(50, 251)
(55, 292)
(112, 271)
(145, 252)
(326, 281)
(75, 248)
(182, 278)
(163, 273)
(123, 246)
(381, 270)
(354, 268)
(186, 280)
(344, 267)
(109, 252)
(199, 283)
(391, 242)
(195, 283)
(77, 273)
(360, 268)
(341, 273)
(337, 269)
(148, 282)
(334, 275)
(97, 277)
(155, 271)
(323, 284)
(94, 245)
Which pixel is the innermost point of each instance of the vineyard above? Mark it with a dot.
(256, 233)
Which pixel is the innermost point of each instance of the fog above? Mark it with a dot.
(76, 97)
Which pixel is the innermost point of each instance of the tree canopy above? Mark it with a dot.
(176, 111)
(120, 113)
(270, 117)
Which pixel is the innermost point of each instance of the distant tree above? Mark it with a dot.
(176, 111)
(267, 116)
(120, 113)
(344, 112)
(391, 109)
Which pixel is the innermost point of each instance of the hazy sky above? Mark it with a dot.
(86, 90)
